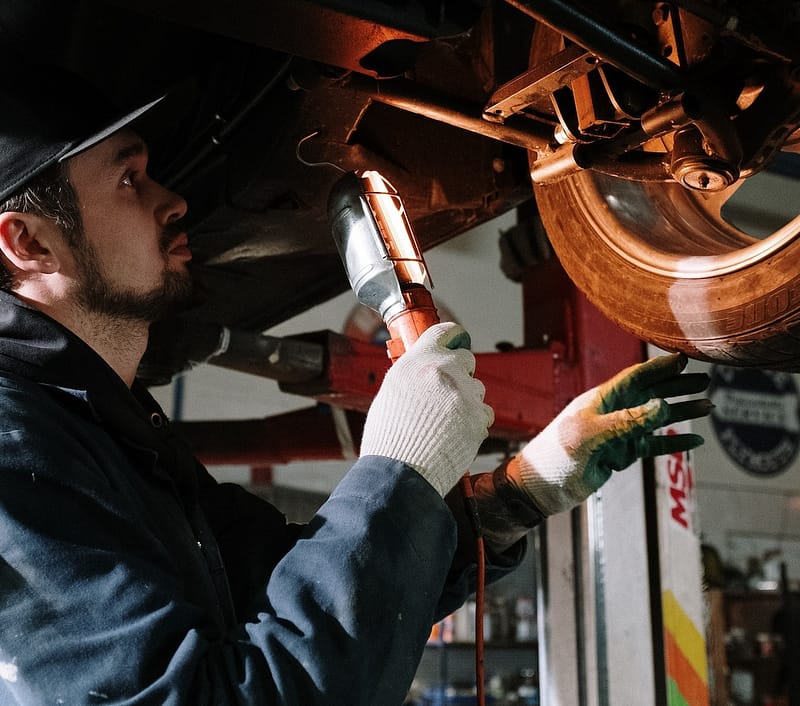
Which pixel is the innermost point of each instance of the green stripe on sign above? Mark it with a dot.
(674, 696)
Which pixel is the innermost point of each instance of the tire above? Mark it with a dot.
(660, 261)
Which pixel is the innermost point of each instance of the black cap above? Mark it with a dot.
(47, 115)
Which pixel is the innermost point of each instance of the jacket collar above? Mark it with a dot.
(38, 348)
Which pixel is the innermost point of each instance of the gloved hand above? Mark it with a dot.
(429, 411)
(606, 429)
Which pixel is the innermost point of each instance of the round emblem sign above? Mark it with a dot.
(756, 417)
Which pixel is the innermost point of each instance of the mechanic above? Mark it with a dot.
(127, 573)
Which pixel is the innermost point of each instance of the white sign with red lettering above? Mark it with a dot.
(679, 552)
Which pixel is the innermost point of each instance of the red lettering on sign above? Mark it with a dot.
(678, 511)
(681, 483)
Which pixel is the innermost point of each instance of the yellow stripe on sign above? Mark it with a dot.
(689, 639)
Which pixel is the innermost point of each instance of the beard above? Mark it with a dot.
(96, 294)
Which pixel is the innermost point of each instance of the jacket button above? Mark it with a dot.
(156, 420)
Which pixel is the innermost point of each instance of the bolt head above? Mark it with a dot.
(704, 175)
(660, 14)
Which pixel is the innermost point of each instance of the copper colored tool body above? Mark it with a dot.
(407, 326)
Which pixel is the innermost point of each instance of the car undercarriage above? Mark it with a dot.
(625, 126)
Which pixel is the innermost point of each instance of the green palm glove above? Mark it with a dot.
(606, 429)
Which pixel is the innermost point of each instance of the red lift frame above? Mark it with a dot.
(568, 347)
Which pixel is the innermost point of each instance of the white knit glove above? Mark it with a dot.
(606, 429)
(429, 411)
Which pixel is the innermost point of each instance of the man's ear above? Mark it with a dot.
(26, 240)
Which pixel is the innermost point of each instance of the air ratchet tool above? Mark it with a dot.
(387, 273)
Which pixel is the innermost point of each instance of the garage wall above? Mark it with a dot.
(748, 478)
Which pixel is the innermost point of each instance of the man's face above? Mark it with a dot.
(130, 260)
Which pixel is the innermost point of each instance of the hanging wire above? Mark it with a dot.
(314, 164)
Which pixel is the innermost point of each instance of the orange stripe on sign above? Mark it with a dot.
(692, 688)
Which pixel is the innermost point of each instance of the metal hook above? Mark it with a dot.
(314, 164)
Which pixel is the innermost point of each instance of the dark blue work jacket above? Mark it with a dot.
(128, 575)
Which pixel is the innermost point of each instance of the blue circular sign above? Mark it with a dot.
(756, 417)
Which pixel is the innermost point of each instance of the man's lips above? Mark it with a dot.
(180, 247)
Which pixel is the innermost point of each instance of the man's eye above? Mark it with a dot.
(129, 179)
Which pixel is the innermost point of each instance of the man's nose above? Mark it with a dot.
(173, 206)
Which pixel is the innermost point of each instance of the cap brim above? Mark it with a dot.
(109, 130)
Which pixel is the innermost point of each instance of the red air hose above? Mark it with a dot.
(472, 511)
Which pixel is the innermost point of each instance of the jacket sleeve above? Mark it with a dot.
(94, 611)
(253, 536)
